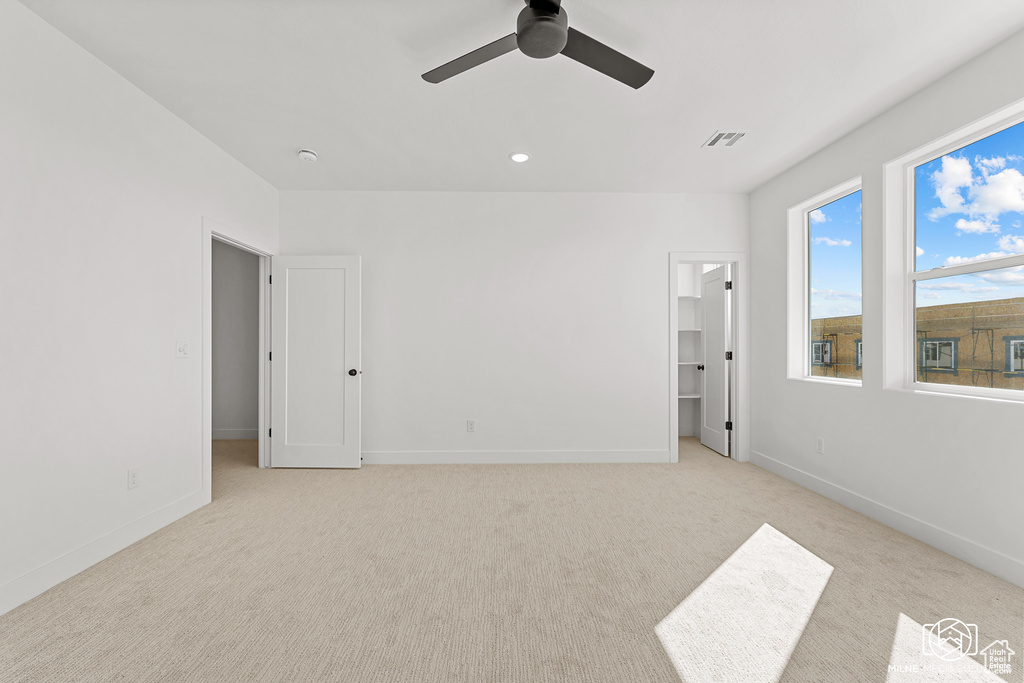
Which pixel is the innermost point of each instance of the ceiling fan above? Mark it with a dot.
(542, 31)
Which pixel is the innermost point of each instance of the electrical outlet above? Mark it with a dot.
(821, 446)
(181, 349)
(470, 425)
(133, 478)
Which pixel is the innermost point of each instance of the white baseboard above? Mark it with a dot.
(992, 561)
(253, 433)
(511, 457)
(37, 581)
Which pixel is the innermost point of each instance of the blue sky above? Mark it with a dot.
(969, 206)
(835, 251)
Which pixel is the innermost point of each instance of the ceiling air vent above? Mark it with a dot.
(720, 139)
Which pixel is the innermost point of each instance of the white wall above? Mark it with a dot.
(544, 317)
(236, 342)
(102, 194)
(946, 470)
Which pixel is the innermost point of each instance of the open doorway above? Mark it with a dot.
(704, 352)
(235, 353)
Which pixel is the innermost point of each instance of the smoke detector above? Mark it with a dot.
(307, 155)
(720, 139)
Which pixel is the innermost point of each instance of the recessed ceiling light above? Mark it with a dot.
(307, 155)
(519, 157)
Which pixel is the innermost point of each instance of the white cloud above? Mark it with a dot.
(920, 251)
(959, 260)
(989, 165)
(1000, 193)
(1009, 245)
(1012, 243)
(1007, 276)
(976, 227)
(818, 216)
(833, 295)
(929, 295)
(828, 241)
(954, 175)
(988, 195)
(957, 286)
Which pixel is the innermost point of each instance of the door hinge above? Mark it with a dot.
(728, 284)
(270, 279)
(728, 426)
(270, 432)
(728, 355)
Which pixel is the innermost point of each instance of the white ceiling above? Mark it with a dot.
(263, 78)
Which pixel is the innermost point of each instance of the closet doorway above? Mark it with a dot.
(703, 352)
(236, 344)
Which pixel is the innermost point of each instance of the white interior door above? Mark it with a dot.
(714, 404)
(315, 373)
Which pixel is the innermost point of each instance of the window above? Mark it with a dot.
(833, 274)
(1014, 354)
(938, 354)
(860, 351)
(961, 259)
(824, 313)
(821, 352)
(967, 215)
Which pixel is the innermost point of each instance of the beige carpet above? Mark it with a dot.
(476, 573)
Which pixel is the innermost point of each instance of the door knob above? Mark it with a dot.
(700, 367)
(353, 372)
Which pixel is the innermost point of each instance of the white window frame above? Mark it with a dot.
(899, 317)
(798, 318)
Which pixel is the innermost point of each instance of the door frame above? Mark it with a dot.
(213, 230)
(739, 380)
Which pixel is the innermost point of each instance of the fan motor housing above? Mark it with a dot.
(541, 34)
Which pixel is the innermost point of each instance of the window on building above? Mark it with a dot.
(1014, 354)
(821, 352)
(938, 354)
(860, 351)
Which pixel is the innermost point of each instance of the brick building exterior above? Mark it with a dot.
(835, 347)
(978, 343)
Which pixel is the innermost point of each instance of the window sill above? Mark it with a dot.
(975, 393)
(837, 381)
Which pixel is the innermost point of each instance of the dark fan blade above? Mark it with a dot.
(596, 55)
(474, 58)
